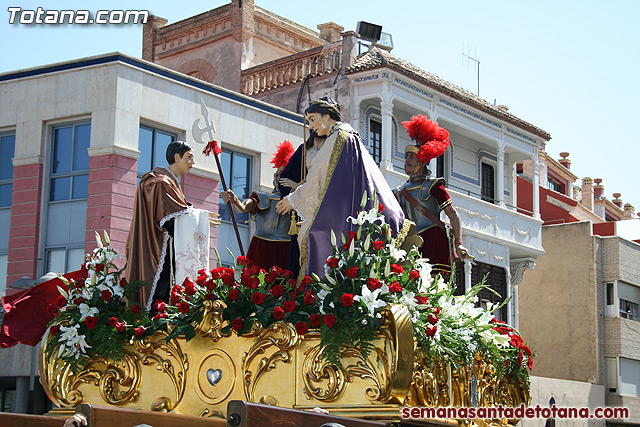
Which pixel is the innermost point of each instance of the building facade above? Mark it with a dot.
(79, 137)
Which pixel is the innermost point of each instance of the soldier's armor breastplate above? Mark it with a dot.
(419, 189)
(269, 224)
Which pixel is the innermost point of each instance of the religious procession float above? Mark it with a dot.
(376, 334)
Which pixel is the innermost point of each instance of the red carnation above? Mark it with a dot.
(433, 319)
(436, 310)
(306, 281)
(234, 294)
(254, 282)
(346, 299)
(414, 275)
(161, 316)
(380, 207)
(121, 326)
(123, 282)
(237, 323)
(395, 287)
(315, 320)
(212, 147)
(332, 262)
(160, 305)
(78, 301)
(139, 331)
(210, 284)
(91, 322)
(302, 328)
(183, 307)
(106, 295)
(243, 260)
(289, 305)
(373, 284)
(258, 298)
(278, 313)
(277, 291)
(431, 331)
(377, 244)
(135, 308)
(209, 296)
(421, 300)
(113, 321)
(329, 320)
(352, 272)
(99, 267)
(530, 363)
(352, 235)
(190, 289)
(397, 269)
(309, 298)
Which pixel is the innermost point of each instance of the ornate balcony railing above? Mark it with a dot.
(292, 69)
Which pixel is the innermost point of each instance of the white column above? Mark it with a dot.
(387, 136)
(500, 176)
(511, 304)
(355, 120)
(536, 187)
(467, 275)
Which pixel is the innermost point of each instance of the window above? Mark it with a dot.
(152, 144)
(440, 166)
(70, 163)
(7, 147)
(68, 192)
(236, 168)
(554, 185)
(629, 310)
(375, 140)
(520, 169)
(487, 189)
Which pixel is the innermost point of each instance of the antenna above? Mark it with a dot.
(477, 61)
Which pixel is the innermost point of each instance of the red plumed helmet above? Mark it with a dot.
(283, 153)
(433, 139)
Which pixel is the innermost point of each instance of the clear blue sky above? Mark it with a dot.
(569, 67)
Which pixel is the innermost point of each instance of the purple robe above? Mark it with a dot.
(354, 173)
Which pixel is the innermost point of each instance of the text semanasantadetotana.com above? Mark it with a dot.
(500, 412)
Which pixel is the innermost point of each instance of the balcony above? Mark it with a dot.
(292, 69)
(506, 233)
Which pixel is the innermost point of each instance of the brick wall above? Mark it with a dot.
(25, 222)
(112, 186)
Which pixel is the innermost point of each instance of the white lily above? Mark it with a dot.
(370, 300)
(397, 254)
(86, 311)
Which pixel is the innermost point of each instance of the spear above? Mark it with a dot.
(213, 148)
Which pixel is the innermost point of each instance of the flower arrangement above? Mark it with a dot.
(91, 314)
(368, 271)
(259, 296)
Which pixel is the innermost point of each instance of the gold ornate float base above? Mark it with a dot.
(276, 366)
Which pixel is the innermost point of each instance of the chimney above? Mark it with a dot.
(629, 211)
(330, 31)
(587, 193)
(598, 189)
(149, 34)
(617, 200)
(564, 161)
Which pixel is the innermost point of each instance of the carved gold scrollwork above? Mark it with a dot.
(315, 370)
(281, 335)
(400, 351)
(117, 381)
(211, 324)
(150, 348)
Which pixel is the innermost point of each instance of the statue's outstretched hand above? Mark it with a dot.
(286, 182)
(463, 253)
(214, 219)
